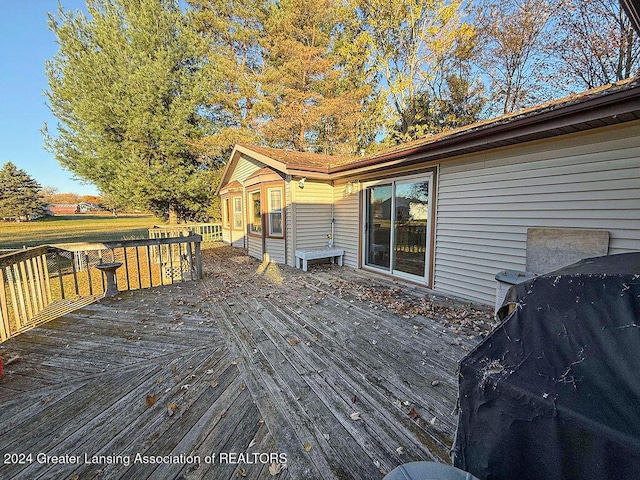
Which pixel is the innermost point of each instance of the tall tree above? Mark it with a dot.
(233, 30)
(595, 43)
(20, 195)
(414, 44)
(125, 86)
(514, 35)
(316, 90)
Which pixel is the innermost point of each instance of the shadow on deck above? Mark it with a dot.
(253, 359)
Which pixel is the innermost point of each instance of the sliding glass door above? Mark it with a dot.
(379, 226)
(397, 227)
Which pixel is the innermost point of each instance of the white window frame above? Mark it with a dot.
(237, 213)
(252, 215)
(272, 211)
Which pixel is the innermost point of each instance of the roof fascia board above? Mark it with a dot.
(281, 167)
(232, 160)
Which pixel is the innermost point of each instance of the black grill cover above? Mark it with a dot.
(554, 391)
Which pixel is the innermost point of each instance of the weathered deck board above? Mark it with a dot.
(275, 361)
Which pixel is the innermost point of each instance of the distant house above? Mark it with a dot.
(449, 211)
(70, 208)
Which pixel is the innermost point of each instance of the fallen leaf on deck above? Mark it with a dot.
(174, 369)
(293, 342)
(46, 400)
(171, 409)
(413, 414)
(74, 477)
(151, 400)
(400, 450)
(435, 383)
(355, 416)
(185, 387)
(354, 399)
(209, 372)
(253, 442)
(241, 472)
(307, 447)
(275, 469)
(214, 384)
(433, 421)
(243, 387)
(234, 363)
(326, 436)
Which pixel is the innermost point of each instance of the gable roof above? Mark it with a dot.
(598, 107)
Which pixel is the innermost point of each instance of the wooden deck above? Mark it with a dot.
(253, 359)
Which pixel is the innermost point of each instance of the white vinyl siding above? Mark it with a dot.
(244, 168)
(289, 220)
(254, 246)
(347, 222)
(313, 210)
(275, 249)
(487, 201)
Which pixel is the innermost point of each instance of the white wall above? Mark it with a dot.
(347, 221)
(487, 201)
(310, 215)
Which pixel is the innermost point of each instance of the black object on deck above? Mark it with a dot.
(554, 391)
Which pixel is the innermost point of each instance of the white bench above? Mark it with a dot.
(306, 254)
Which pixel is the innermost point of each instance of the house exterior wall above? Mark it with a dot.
(290, 221)
(276, 249)
(244, 168)
(347, 221)
(487, 201)
(311, 213)
(254, 246)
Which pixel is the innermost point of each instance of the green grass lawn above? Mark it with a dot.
(75, 228)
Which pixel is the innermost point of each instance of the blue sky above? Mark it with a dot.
(25, 44)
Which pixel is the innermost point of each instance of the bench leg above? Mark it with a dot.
(340, 260)
(304, 265)
(297, 262)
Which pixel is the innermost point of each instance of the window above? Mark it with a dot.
(274, 196)
(237, 213)
(226, 213)
(255, 212)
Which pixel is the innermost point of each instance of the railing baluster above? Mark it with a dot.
(32, 292)
(37, 286)
(149, 265)
(138, 266)
(189, 258)
(4, 307)
(171, 262)
(126, 267)
(44, 279)
(75, 274)
(198, 262)
(89, 281)
(24, 292)
(161, 264)
(60, 279)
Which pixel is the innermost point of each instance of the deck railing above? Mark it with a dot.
(40, 283)
(210, 232)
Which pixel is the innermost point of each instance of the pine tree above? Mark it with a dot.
(20, 195)
(317, 91)
(233, 31)
(125, 86)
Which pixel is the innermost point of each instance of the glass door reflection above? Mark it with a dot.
(411, 217)
(378, 226)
